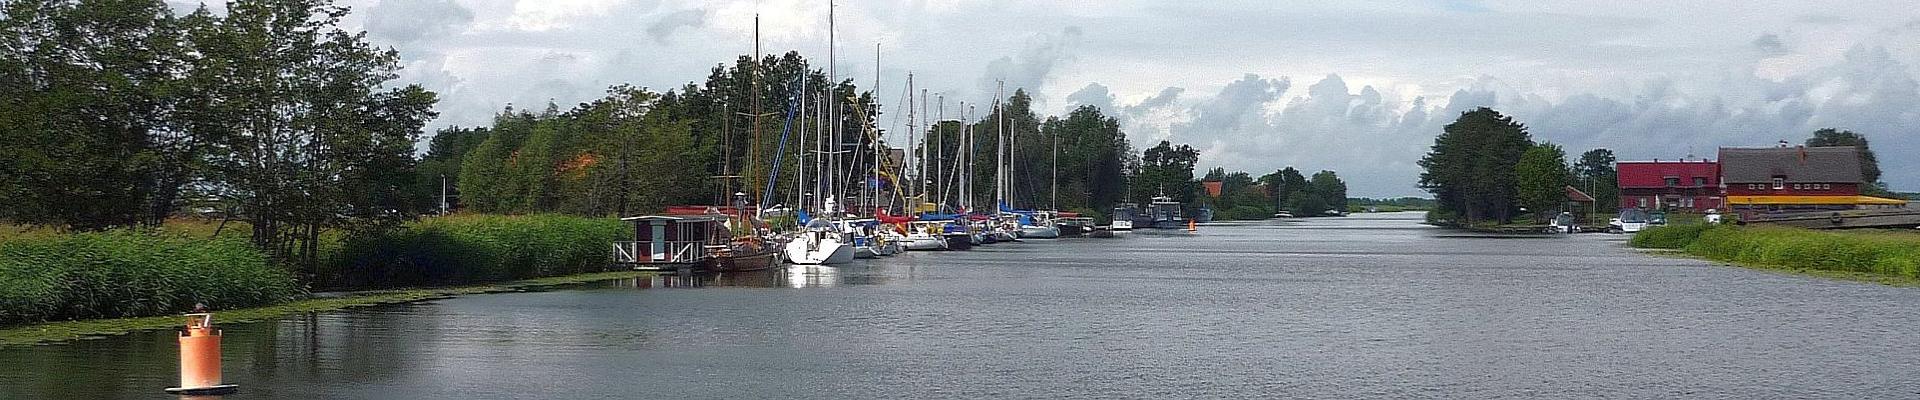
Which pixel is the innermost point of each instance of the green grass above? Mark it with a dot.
(72, 330)
(128, 273)
(1890, 254)
(1671, 237)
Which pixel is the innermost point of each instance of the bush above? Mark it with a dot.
(1668, 236)
(1244, 213)
(1884, 253)
(131, 273)
(477, 248)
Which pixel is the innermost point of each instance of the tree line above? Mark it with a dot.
(119, 113)
(1486, 168)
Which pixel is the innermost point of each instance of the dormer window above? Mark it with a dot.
(1779, 183)
(1699, 181)
(1672, 181)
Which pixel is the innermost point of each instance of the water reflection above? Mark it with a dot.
(763, 278)
(792, 276)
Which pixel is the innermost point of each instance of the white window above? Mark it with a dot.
(1686, 202)
(1779, 183)
(1643, 202)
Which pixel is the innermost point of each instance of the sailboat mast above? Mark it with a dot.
(999, 146)
(753, 152)
(923, 150)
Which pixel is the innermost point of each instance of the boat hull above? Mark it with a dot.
(826, 252)
(1121, 225)
(1039, 232)
(959, 241)
(744, 262)
(865, 252)
(926, 243)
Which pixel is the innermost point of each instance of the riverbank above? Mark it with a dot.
(57, 276)
(53, 332)
(1883, 257)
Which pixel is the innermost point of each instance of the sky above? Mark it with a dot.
(1359, 87)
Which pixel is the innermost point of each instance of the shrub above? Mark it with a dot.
(132, 273)
(1668, 236)
(1245, 213)
(476, 248)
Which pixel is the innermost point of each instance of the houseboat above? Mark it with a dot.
(703, 242)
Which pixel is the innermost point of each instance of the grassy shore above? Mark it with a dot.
(48, 275)
(1887, 257)
(53, 332)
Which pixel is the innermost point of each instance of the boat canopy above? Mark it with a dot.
(939, 217)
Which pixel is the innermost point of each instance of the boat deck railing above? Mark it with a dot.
(669, 252)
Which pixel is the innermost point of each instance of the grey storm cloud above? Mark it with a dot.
(1094, 94)
(1031, 68)
(663, 28)
(408, 21)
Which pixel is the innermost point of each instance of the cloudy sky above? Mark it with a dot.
(1359, 87)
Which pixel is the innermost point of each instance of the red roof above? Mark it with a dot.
(1577, 196)
(1654, 174)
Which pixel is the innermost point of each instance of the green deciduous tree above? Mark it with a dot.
(1470, 169)
(1541, 179)
(1869, 164)
(1597, 175)
(1166, 169)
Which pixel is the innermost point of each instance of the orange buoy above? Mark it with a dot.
(1193, 226)
(200, 358)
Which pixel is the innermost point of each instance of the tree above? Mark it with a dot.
(1470, 169)
(1869, 165)
(1598, 177)
(1541, 179)
(1284, 184)
(1330, 189)
(86, 139)
(1093, 159)
(445, 152)
(1166, 169)
(304, 137)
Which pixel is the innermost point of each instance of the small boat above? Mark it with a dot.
(1075, 226)
(926, 235)
(1039, 225)
(1123, 218)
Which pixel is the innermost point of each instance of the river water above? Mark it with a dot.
(1373, 306)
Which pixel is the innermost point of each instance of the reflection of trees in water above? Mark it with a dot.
(93, 369)
(332, 347)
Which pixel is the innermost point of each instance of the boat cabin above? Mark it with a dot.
(661, 240)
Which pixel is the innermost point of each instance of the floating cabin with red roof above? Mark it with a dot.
(1685, 185)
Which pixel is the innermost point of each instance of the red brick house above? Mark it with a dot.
(1687, 186)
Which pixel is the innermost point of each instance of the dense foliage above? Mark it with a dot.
(1485, 168)
(124, 273)
(477, 248)
(1540, 180)
(1597, 175)
(117, 112)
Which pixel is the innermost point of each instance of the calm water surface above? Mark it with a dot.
(1363, 307)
